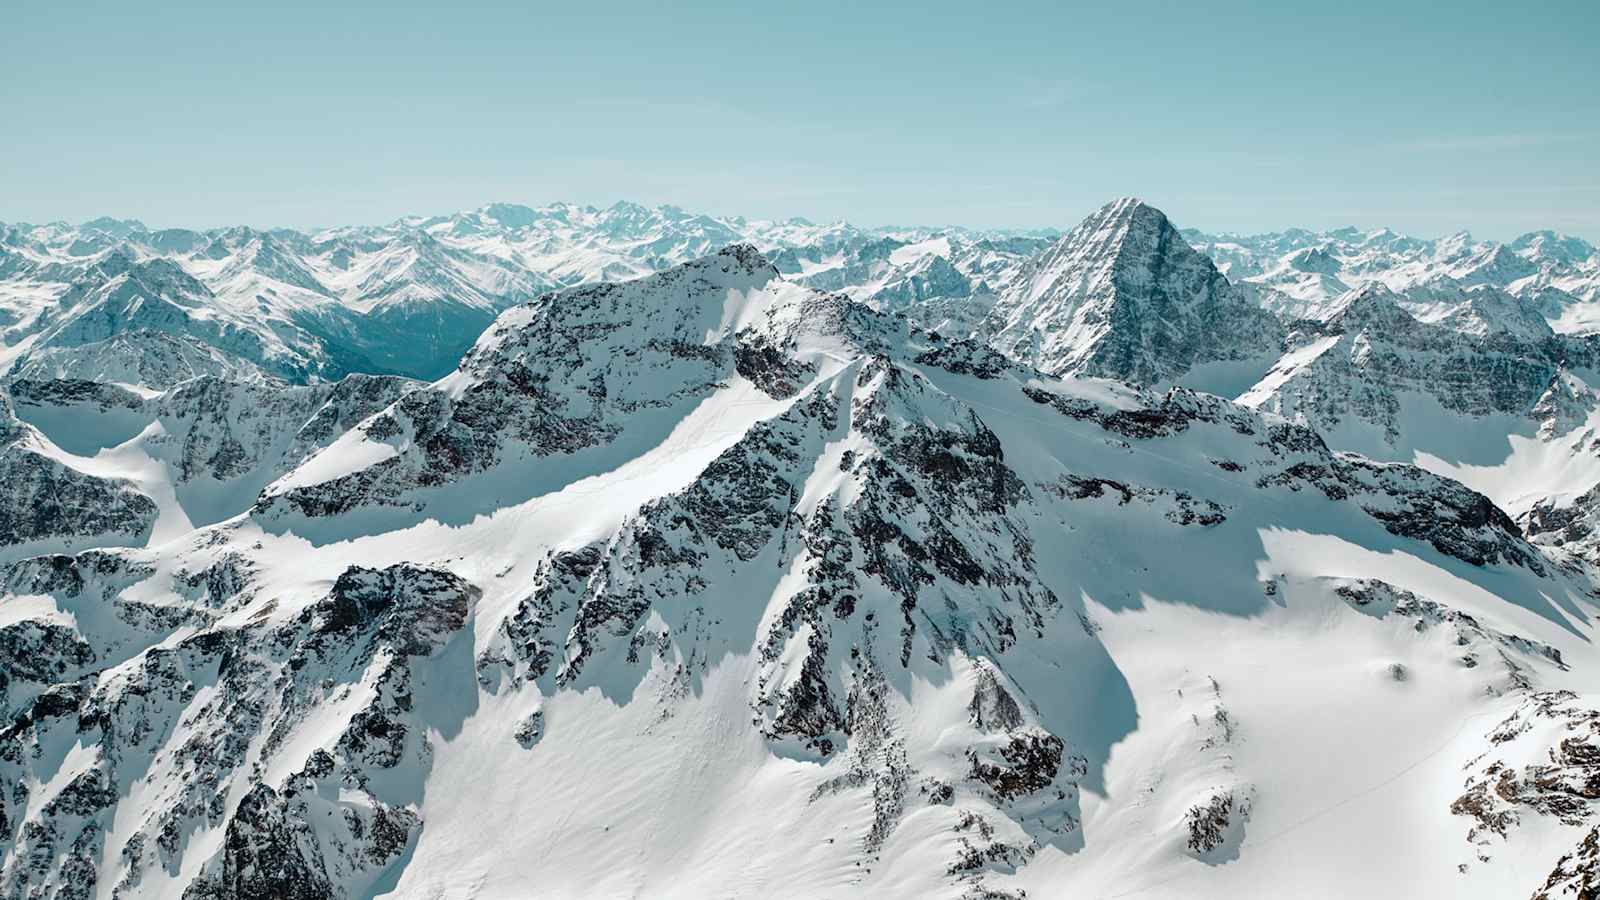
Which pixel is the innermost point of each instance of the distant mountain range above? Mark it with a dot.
(410, 297)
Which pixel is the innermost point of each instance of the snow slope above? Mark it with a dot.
(712, 582)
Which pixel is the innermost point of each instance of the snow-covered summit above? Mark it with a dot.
(1123, 295)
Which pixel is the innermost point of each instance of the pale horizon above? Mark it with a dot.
(1230, 118)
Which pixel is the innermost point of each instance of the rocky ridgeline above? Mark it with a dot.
(114, 300)
(1360, 364)
(49, 503)
(1543, 761)
(190, 723)
(1407, 501)
(933, 512)
(1124, 296)
(214, 436)
(557, 376)
(1301, 270)
(872, 529)
(1513, 657)
(1569, 530)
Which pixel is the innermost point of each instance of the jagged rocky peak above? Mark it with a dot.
(573, 370)
(1370, 306)
(154, 359)
(1124, 296)
(210, 732)
(1564, 405)
(1125, 234)
(1499, 264)
(1314, 259)
(265, 254)
(694, 304)
(1558, 274)
(1477, 310)
(1373, 374)
(1575, 527)
(1485, 310)
(48, 504)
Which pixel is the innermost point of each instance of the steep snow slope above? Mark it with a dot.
(55, 502)
(712, 583)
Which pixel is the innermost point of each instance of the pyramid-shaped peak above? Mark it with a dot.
(1108, 298)
(1125, 232)
(1314, 259)
(1126, 227)
(1128, 209)
(1371, 303)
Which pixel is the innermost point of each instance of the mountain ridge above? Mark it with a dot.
(737, 577)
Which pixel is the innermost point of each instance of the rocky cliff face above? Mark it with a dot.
(563, 374)
(208, 445)
(1360, 366)
(180, 726)
(49, 503)
(1125, 296)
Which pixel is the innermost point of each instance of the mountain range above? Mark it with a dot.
(566, 551)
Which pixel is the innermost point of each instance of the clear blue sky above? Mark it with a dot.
(1426, 117)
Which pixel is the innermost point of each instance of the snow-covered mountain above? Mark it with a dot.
(1370, 364)
(410, 297)
(1124, 296)
(1299, 273)
(947, 282)
(774, 559)
(1476, 360)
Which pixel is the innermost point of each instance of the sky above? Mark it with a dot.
(1423, 117)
